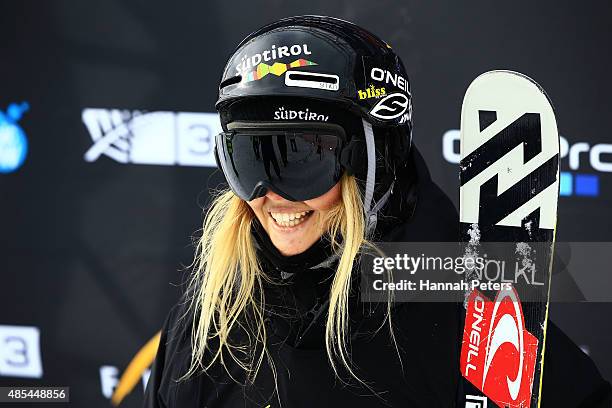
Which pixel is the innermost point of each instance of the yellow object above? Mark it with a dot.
(278, 68)
(132, 374)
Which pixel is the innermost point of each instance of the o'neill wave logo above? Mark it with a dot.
(162, 138)
(498, 354)
(391, 106)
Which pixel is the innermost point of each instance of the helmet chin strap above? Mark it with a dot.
(371, 211)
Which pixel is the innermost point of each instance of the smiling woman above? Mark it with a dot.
(228, 257)
(294, 227)
(273, 315)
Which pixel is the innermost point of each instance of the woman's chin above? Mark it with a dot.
(290, 248)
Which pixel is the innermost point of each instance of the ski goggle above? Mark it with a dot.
(298, 161)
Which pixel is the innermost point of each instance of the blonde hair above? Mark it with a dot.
(227, 284)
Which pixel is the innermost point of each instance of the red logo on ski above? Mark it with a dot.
(498, 354)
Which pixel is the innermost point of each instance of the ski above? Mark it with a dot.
(509, 176)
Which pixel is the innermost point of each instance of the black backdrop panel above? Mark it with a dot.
(97, 222)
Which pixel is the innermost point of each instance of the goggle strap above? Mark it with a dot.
(371, 176)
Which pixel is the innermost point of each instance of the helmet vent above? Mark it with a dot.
(312, 80)
(305, 76)
(231, 81)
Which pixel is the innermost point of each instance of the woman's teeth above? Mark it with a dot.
(290, 219)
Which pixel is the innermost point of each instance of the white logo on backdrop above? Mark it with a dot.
(577, 153)
(474, 401)
(162, 138)
(20, 352)
(109, 378)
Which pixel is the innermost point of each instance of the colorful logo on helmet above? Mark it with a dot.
(278, 69)
(371, 92)
(391, 106)
(272, 54)
(13, 142)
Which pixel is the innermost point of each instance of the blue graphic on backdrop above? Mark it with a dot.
(13, 142)
(579, 184)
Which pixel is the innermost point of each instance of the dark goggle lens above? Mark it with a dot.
(298, 165)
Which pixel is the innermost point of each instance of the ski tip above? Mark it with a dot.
(498, 72)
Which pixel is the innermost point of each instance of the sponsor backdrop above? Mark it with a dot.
(106, 128)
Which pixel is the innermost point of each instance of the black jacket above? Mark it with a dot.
(421, 372)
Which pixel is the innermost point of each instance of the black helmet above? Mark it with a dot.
(317, 69)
